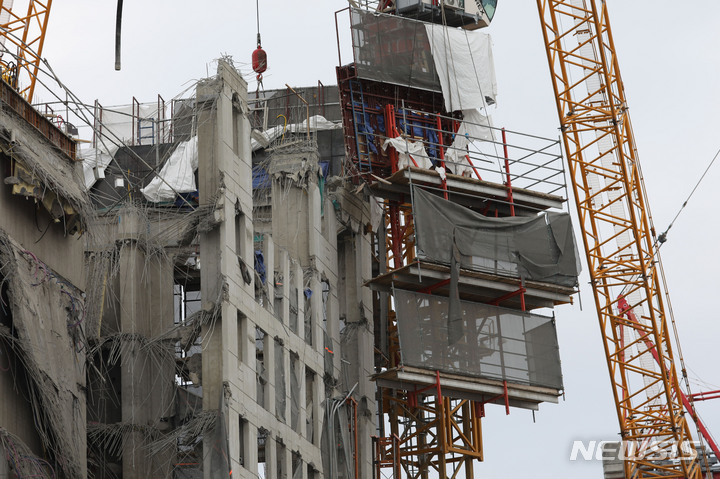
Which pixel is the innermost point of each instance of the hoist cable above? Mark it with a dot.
(663, 236)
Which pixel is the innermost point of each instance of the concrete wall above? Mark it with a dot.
(301, 253)
(44, 332)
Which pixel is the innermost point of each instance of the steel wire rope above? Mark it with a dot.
(662, 238)
(659, 242)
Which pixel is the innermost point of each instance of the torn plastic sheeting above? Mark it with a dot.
(118, 122)
(407, 150)
(260, 265)
(294, 395)
(94, 162)
(178, 173)
(280, 401)
(317, 123)
(297, 470)
(475, 126)
(377, 213)
(540, 248)
(465, 66)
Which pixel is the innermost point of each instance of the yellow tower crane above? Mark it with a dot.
(619, 238)
(22, 38)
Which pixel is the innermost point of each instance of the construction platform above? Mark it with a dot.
(484, 391)
(475, 286)
(469, 192)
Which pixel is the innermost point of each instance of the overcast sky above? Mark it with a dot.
(669, 62)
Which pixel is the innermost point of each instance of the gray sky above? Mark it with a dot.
(670, 65)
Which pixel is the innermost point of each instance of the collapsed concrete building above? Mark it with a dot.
(298, 283)
(219, 323)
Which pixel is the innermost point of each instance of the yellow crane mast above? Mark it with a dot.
(23, 39)
(619, 238)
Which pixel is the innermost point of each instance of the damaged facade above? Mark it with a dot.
(273, 284)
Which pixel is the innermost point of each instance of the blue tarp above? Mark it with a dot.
(260, 177)
(260, 265)
(193, 198)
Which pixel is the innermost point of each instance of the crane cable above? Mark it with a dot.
(259, 76)
(663, 236)
(659, 241)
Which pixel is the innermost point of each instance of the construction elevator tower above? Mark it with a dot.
(473, 241)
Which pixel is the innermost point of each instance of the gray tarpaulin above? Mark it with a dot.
(494, 343)
(455, 61)
(374, 60)
(540, 248)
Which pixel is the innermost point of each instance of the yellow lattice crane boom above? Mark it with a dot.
(22, 37)
(618, 236)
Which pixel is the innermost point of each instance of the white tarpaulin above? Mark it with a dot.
(262, 139)
(117, 123)
(408, 149)
(464, 63)
(178, 173)
(475, 126)
(95, 161)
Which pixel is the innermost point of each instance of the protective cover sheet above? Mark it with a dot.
(540, 248)
(178, 173)
(409, 151)
(465, 67)
(494, 343)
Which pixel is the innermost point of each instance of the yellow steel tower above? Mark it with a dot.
(23, 37)
(618, 237)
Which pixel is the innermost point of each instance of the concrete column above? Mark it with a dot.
(251, 459)
(270, 458)
(225, 178)
(146, 309)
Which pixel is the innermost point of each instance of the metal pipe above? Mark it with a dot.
(307, 109)
(118, 29)
(331, 424)
(508, 183)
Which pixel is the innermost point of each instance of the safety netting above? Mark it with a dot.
(540, 248)
(493, 342)
(407, 52)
